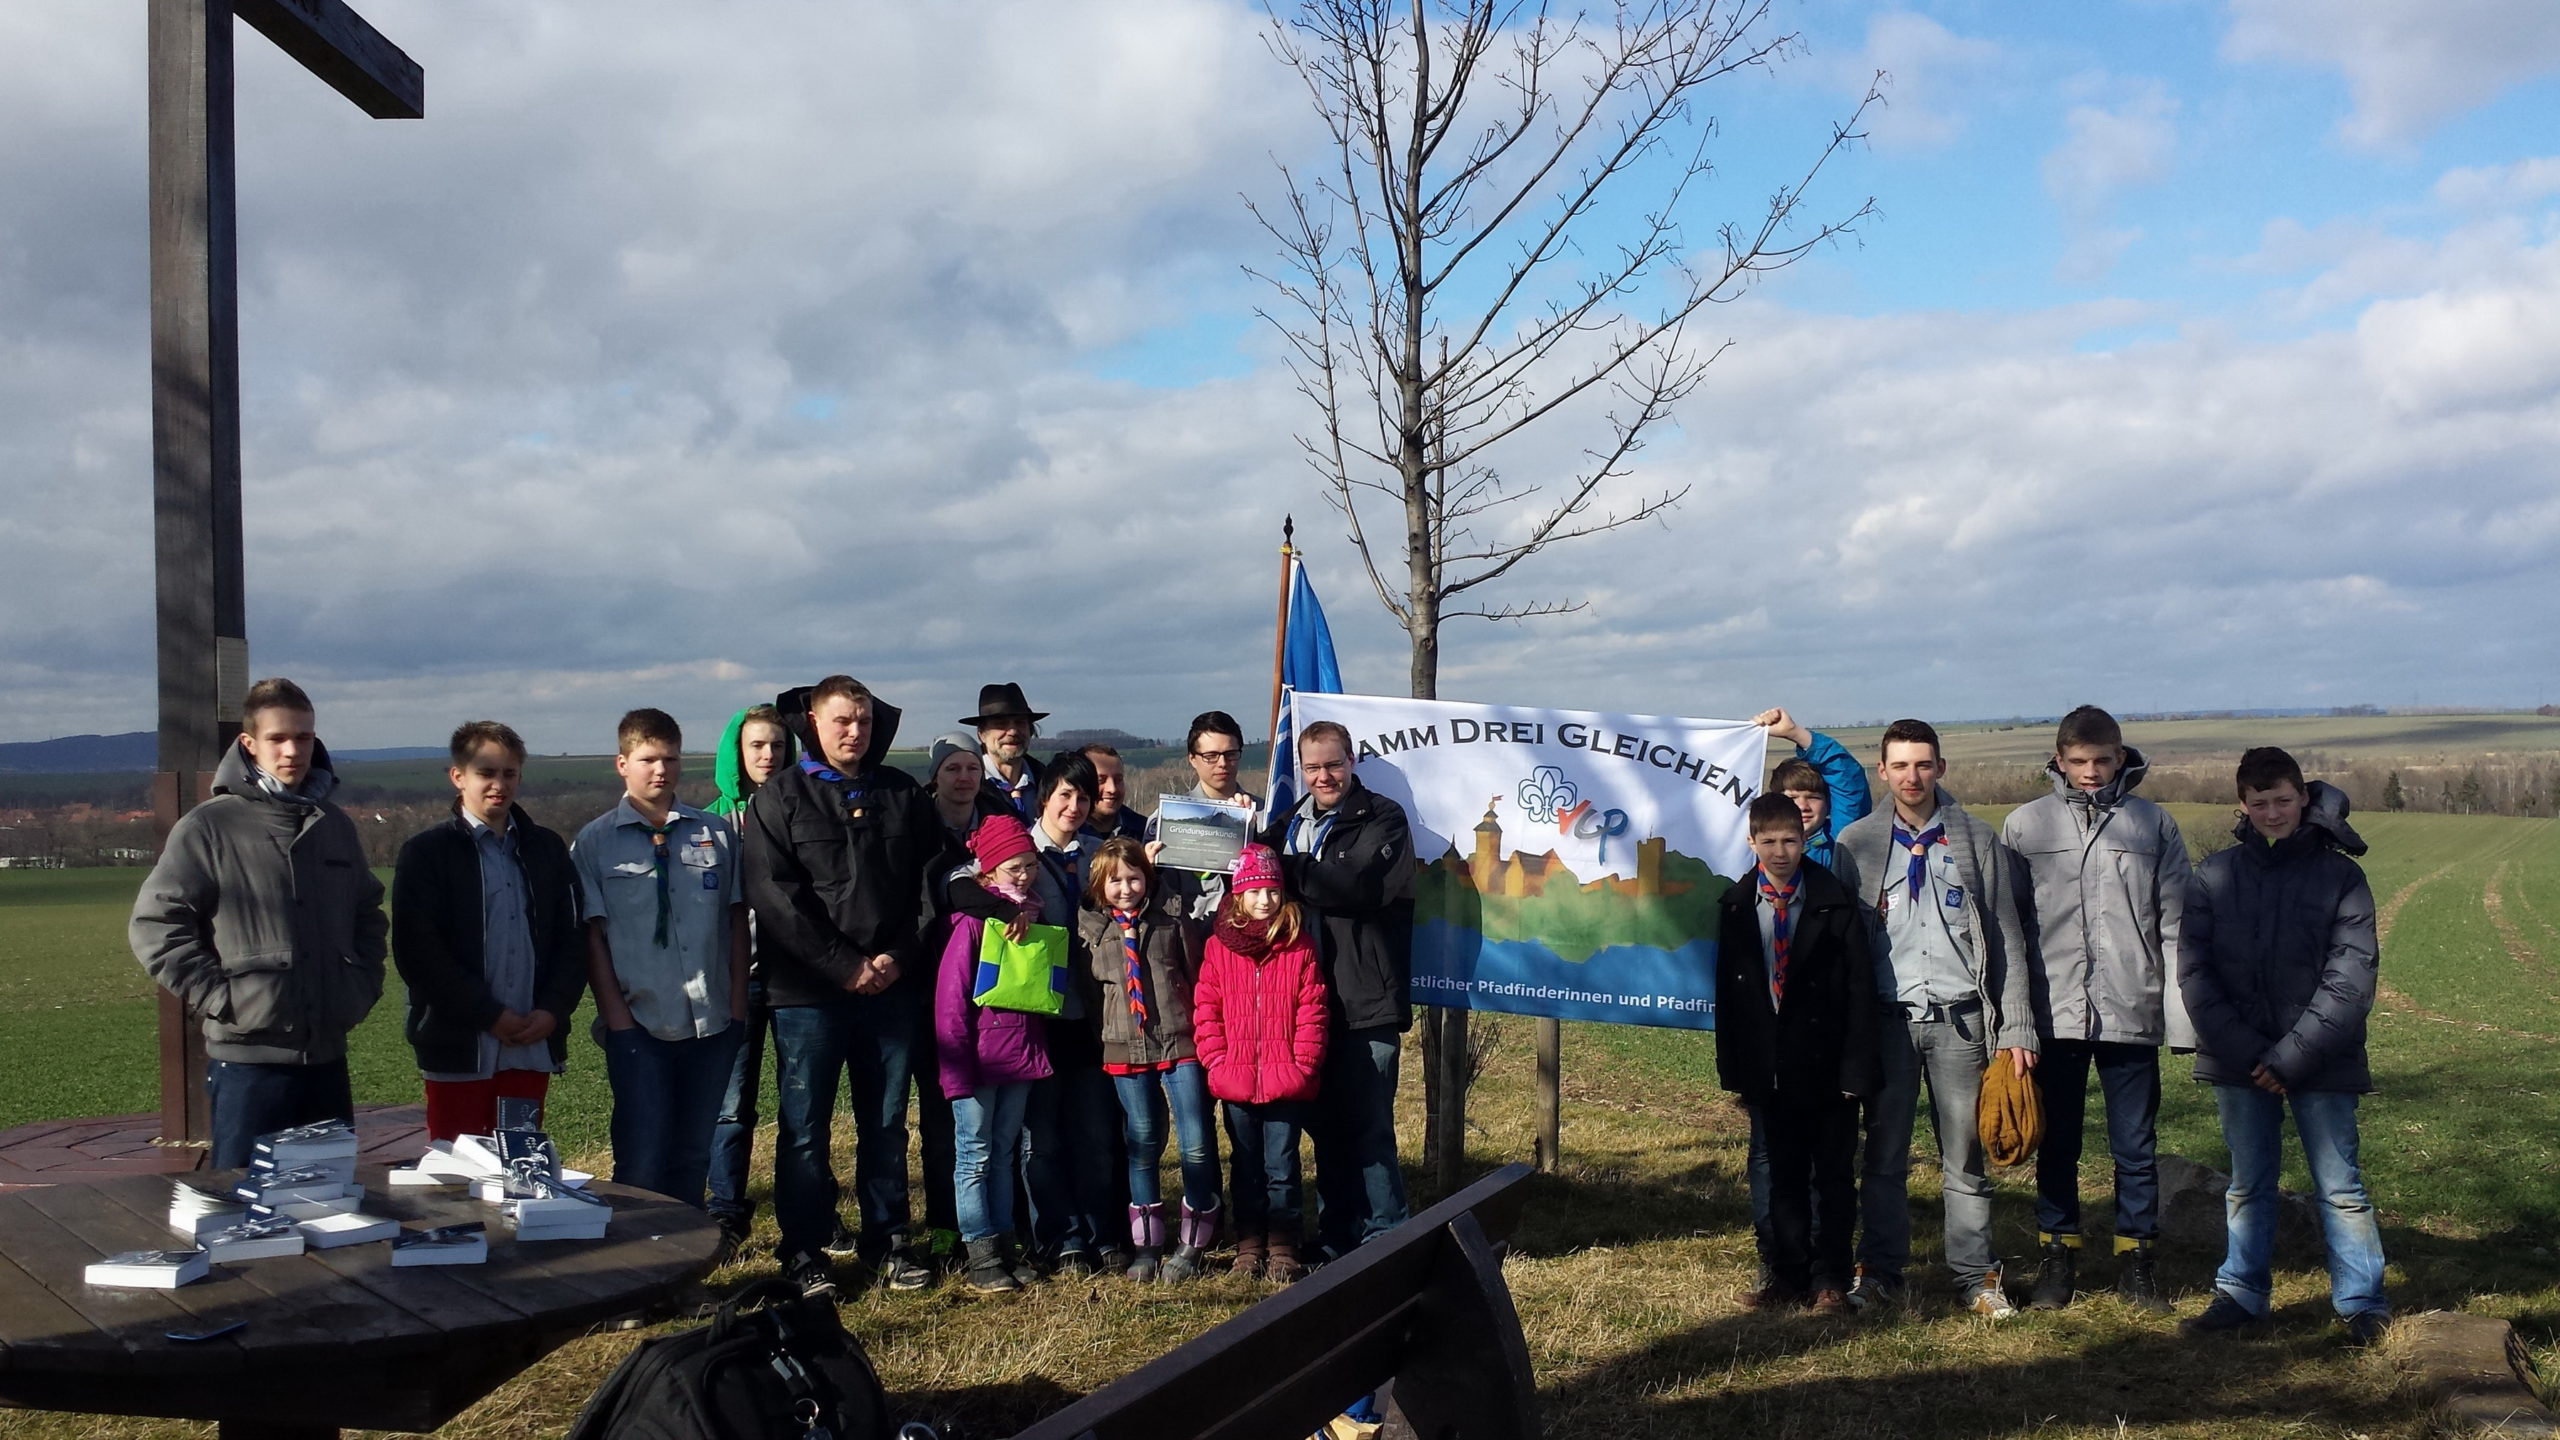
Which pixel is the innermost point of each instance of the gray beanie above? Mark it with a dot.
(946, 746)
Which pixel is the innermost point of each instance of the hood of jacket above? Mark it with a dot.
(729, 767)
(794, 707)
(236, 776)
(2106, 796)
(2324, 822)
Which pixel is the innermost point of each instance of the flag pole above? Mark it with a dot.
(1280, 628)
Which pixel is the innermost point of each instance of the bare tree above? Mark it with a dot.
(1440, 300)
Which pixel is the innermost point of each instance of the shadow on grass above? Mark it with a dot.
(1951, 1387)
(976, 1412)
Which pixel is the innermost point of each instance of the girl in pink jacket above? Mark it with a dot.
(1258, 1014)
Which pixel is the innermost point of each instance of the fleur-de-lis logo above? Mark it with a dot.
(1546, 794)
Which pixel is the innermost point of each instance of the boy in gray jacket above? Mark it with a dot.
(1953, 972)
(2107, 874)
(263, 917)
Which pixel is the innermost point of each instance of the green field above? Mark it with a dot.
(1629, 1259)
(2443, 738)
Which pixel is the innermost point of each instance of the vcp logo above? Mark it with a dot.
(1546, 796)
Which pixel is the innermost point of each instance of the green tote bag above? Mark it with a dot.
(1030, 977)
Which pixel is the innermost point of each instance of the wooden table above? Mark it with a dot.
(334, 1337)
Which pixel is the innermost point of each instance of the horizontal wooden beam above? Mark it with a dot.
(334, 43)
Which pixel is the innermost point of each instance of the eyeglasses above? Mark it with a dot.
(1325, 767)
(1217, 757)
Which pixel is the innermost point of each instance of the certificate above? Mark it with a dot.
(1202, 834)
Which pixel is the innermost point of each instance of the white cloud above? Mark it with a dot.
(2106, 150)
(2408, 64)
(1931, 74)
(2500, 187)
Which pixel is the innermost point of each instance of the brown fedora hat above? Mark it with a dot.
(995, 702)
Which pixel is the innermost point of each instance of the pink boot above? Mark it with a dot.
(1146, 1239)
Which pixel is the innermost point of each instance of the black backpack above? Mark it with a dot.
(784, 1371)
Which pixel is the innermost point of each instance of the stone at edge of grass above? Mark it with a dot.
(2473, 1371)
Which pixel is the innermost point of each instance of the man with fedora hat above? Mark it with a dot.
(1006, 722)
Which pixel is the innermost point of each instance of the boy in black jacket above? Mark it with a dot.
(1796, 1041)
(484, 930)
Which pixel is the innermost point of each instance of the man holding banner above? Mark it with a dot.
(1347, 853)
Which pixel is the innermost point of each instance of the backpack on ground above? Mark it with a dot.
(783, 1371)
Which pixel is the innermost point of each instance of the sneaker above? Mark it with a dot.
(842, 1244)
(898, 1270)
(733, 1239)
(2365, 1328)
(1869, 1290)
(1829, 1302)
(2056, 1275)
(2224, 1316)
(1988, 1299)
(2138, 1282)
(816, 1279)
(1077, 1264)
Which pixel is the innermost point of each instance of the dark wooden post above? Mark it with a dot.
(195, 451)
(1550, 1094)
(195, 399)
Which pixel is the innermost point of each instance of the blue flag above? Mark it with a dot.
(1306, 663)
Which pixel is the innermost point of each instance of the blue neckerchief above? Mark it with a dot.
(852, 788)
(1918, 846)
(1323, 828)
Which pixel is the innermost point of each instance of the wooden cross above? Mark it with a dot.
(195, 398)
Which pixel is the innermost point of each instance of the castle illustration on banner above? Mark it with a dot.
(1535, 898)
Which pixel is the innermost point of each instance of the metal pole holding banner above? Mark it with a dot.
(1280, 634)
(1550, 1094)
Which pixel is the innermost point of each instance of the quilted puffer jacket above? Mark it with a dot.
(1260, 1025)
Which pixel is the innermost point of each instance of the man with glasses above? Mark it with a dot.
(1347, 854)
(1215, 748)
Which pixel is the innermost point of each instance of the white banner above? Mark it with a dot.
(1570, 862)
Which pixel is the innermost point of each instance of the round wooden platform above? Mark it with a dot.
(50, 1152)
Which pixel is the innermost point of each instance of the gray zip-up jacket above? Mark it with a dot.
(263, 917)
(2106, 887)
(1868, 861)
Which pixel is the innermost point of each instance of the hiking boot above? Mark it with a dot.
(843, 1244)
(1829, 1302)
(1281, 1266)
(2365, 1328)
(1773, 1296)
(1869, 1290)
(816, 1278)
(1987, 1299)
(1249, 1255)
(898, 1270)
(2225, 1316)
(2138, 1280)
(987, 1273)
(2055, 1277)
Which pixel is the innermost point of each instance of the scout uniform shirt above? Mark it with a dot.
(1928, 944)
(664, 897)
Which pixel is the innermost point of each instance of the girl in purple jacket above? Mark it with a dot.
(988, 1058)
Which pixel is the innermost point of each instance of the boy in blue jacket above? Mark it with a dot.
(2279, 962)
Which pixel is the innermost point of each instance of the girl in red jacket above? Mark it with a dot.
(1259, 1022)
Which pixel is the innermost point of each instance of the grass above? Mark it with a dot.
(1628, 1260)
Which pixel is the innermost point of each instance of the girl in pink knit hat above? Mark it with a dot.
(1259, 1022)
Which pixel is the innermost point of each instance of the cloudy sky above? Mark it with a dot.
(2201, 353)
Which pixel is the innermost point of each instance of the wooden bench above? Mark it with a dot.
(1423, 1305)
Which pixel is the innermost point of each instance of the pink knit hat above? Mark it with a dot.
(1256, 869)
(997, 839)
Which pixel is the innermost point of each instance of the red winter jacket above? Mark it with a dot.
(1260, 1025)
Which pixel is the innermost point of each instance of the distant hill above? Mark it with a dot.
(140, 750)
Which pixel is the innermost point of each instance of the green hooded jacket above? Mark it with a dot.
(729, 771)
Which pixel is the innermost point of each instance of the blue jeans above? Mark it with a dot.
(2129, 1077)
(733, 1137)
(866, 1040)
(1144, 1101)
(1073, 1127)
(986, 1129)
(1359, 1178)
(666, 1097)
(251, 1100)
(2253, 1126)
(1949, 1053)
(1262, 1154)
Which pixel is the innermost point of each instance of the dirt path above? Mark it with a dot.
(2389, 912)
(2519, 949)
